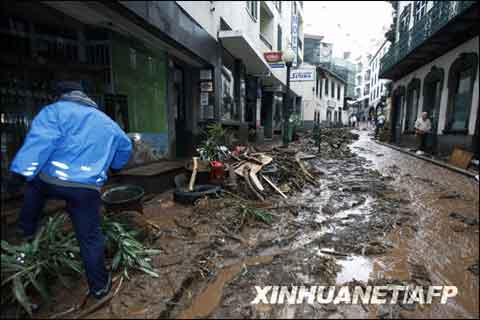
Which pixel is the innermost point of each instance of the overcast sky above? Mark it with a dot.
(355, 26)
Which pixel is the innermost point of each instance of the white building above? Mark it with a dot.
(378, 89)
(433, 64)
(322, 93)
(246, 30)
(362, 87)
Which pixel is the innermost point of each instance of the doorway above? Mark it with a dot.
(267, 114)
(432, 92)
(179, 112)
(398, 99)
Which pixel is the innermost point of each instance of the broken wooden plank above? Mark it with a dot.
(302, 167)
(256, 182)
(274, 186)
(194, 174)
(246, 176)
(250, 165)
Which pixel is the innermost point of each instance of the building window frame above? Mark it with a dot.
(333, 89)
(464, 67)
(278, 5)
(279, 38)
(321, 86)
(405, 20)
(252, 9)
(420, 9)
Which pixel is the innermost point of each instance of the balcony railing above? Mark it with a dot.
(436, 18)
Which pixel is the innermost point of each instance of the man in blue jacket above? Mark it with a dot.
(66, 155)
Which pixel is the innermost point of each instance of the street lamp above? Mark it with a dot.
(288, 57)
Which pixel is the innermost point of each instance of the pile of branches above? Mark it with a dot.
(54, 255)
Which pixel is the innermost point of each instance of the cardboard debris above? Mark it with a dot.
(461, 158)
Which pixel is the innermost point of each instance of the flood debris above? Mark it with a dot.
(474, 268)
(294, 215)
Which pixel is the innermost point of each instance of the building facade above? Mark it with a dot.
(253, 92)
(435, 72)
(161, 69)
(378, 87)
(323, 96)
(362, 87)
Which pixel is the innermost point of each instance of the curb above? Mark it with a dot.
(436, 162)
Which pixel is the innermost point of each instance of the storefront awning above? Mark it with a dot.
(238, 44)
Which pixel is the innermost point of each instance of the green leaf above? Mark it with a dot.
(149, 272)
(152, 252)
(9, 248)
(36, 241)
(21, 296)
(116, 261)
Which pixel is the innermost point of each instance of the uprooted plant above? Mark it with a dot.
(212, 147)
(54, 254)
(129, 254)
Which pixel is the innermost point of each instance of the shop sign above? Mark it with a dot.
(295, 38)
(277, 65)
(206, 86)
(302, 75)
(273, 56)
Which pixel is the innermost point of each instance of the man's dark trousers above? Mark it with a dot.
(422, 141)
(83, 205)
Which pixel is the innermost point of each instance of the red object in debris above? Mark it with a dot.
(238, 150)
(218, 172)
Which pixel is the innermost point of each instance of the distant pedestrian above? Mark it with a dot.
(354, 121)
(423, 126)
(380, 124)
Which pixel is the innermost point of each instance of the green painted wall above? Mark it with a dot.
(144, 84)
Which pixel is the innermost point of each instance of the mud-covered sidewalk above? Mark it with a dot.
(378, 216)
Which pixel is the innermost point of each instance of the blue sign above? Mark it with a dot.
(277, 65)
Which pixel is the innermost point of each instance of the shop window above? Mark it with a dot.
(228, 100)
(133, 58)
(151, 65)
(252, 9)
(460, 90)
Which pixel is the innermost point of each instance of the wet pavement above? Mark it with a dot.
(379, 216)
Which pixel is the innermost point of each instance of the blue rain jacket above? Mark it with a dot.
(73, 142)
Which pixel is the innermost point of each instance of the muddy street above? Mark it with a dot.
(377, 217)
